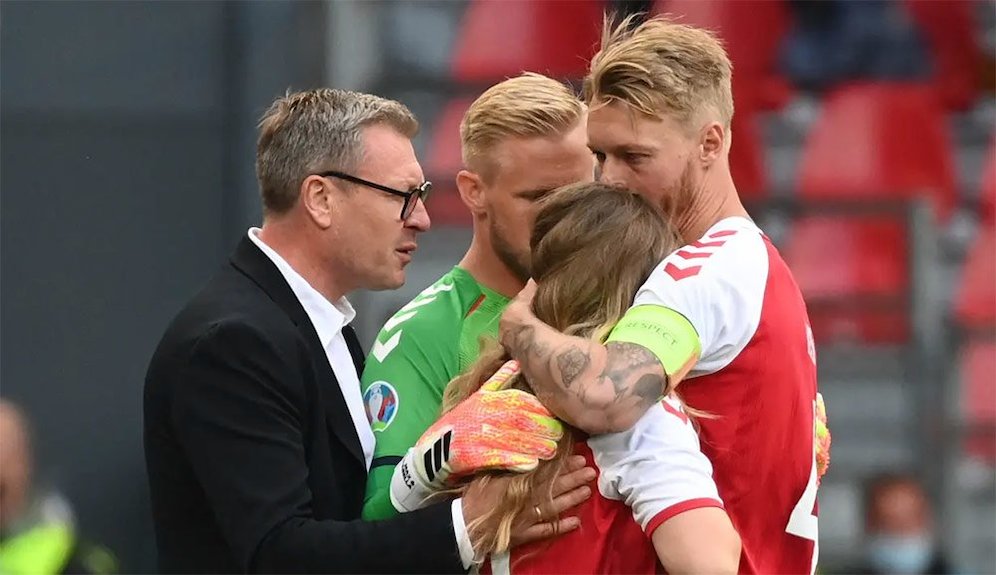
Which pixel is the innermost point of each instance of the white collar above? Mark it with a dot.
(328, 317)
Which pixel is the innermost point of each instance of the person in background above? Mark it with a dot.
(37, 534)
(837, 41)
(899, 529)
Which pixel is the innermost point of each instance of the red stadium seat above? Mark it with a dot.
(752, 32)
(444, 156)
(500, 39)
(444, 160)
(978, 366)
(975, 306)
(949, 30)
(872, 141)
(880, 140)
(854, 275)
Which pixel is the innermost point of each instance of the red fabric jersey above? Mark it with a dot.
(757, 375)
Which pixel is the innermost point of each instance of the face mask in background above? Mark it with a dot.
(900, 555)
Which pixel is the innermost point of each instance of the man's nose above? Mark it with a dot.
(613, 173)
(419, 218)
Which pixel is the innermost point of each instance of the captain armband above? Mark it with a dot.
(665, 332)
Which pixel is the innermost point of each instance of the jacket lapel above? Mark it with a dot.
(253, 263)
(355, 350)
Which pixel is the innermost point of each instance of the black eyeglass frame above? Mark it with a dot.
(419, 192)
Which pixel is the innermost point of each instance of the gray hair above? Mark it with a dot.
(307, 132)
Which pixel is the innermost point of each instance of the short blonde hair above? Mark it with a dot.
(661, 67)
(530, 105)
(318, 130)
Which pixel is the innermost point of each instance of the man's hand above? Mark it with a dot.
(517, 313)
(507, 430)
(569, 490)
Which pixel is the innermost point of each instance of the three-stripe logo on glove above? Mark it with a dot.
(439, 454)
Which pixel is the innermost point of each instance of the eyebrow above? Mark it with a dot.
(626, 148)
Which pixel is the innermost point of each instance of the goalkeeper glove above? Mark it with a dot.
(492, 430)
(822, 438)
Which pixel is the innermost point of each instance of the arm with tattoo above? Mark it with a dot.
(596, 388)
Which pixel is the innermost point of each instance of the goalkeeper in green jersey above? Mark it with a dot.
(521, 139)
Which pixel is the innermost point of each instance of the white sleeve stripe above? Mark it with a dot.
(655, 466)
(677, 509)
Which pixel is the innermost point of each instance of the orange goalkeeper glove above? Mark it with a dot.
(821, 438)
(492, 430)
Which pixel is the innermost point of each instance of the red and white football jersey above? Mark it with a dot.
(757, 376)
(645, 476)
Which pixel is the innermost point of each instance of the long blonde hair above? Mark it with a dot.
(592, 246)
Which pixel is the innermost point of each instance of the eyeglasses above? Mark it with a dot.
(419, 192)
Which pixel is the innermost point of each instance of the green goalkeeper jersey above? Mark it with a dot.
(419, 350)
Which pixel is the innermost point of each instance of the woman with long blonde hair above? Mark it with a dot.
(592, 247)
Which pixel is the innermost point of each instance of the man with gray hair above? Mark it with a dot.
(257, 444)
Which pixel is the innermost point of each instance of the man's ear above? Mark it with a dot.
(316, 196)
(712, 144)
(471, 191)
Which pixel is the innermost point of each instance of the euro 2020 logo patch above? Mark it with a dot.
(381, 401)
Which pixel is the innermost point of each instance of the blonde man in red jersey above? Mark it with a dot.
(721, 319)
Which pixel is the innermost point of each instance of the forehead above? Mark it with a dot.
(388, 157)
(543, 162)
(617, 124)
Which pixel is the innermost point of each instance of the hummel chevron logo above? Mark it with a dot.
(380, 350)
(681, 273)
(398, 319)
(433, 290)
(702, 244)
(689, 255)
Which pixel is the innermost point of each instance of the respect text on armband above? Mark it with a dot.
(668, 338)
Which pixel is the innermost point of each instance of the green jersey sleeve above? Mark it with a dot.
(410, 363)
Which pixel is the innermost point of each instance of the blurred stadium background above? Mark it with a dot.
(864, 145)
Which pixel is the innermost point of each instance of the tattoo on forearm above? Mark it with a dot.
(635, 374)
(572, 363)
(649, 388)
(527, 348)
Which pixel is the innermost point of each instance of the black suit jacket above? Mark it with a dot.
(252, 457)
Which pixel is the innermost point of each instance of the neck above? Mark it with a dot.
(481, 262)
(291, 243)
(715, 200)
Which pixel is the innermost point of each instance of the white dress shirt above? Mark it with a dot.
(329, 318)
